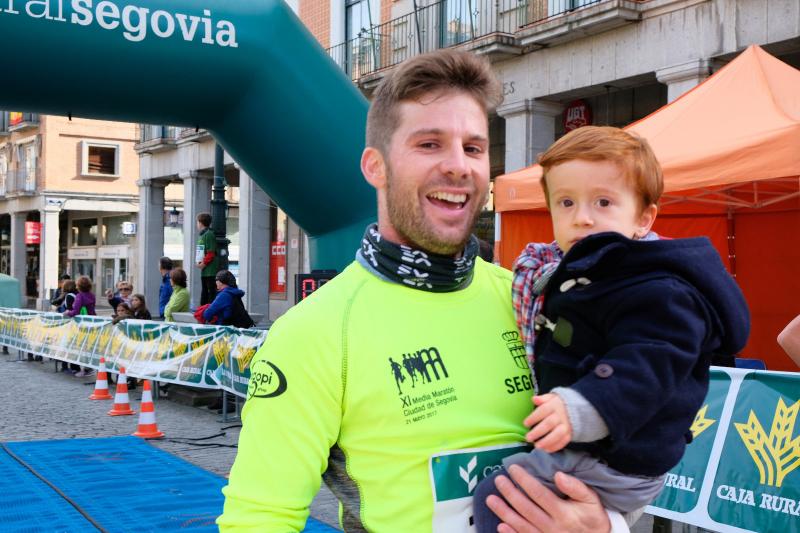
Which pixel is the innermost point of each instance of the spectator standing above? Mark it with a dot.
(139, 307)
(83, 305)
(179, 301)
(165, 266)
(227, 308)
(68, 293)
(123, 294)
(205, 258)
(58, 296)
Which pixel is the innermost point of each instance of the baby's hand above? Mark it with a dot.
(549, 423)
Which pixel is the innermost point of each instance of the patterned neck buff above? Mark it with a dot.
(415, 268)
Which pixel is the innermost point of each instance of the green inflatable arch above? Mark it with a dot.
(246, 70)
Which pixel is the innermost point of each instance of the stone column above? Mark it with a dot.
(196, 200)
(19, 266)
(530, 130)
(150, 240)
(254, 234)
(48, 251)
(681, 78)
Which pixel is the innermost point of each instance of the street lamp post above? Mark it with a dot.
(219, 208)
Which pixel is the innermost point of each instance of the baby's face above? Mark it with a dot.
(588, 197)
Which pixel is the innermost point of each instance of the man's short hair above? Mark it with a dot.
(605, 143)
(65, 277)
(204, 219)
(442, 70)
(178, 277)
(165, 263)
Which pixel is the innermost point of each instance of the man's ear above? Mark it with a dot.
(373, 167)
(646, 220)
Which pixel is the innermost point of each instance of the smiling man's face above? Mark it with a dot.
(436, 173)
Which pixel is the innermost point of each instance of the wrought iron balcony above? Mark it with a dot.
(493, 27)
(22, 121)
(3, 123)
(156, 138)
(22, 181)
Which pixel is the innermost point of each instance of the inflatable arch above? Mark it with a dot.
(246, 70)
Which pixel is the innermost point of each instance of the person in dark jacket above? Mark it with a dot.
(139, 308)
(165, 266)
(227, 308)
(619, 325)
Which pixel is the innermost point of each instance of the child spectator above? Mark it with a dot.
(139, 307)
(83, 305)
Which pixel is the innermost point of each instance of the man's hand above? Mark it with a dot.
(549, 423)
(200, 264)
(535, 509)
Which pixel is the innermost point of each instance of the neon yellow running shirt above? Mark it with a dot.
(365, 382)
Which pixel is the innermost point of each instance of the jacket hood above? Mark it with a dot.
(234, 291)
(695, 260)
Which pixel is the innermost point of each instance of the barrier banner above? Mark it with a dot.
(741, 472)
(206, 356)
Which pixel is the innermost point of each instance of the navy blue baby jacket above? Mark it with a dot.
(636, 325)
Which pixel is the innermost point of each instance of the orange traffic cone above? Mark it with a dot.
(121, 402)
(101, 385)
(147, 429)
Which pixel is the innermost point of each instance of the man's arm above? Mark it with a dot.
(789, 340)
(530, 507)
(290, 421)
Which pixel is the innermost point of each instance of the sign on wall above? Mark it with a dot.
(33, 232)
(576, 115)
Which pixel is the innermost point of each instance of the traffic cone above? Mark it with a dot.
(121, 402)
(101, 385)
(147, 429)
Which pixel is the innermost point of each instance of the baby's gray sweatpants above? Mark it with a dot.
(618, 492)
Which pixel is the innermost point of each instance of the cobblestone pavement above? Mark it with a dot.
(37, 403)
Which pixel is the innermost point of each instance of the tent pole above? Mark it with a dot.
(732, 242)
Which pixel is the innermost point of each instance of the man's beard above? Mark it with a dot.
(408, 218)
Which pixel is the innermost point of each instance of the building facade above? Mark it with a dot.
(266, 249)
(68, 201)
(562, 63)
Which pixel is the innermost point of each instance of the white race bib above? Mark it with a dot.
(454, 476)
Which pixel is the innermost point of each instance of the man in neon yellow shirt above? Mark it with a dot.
(414, 383)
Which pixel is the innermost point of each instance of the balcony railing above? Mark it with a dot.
(21, 121)
(440, 25)
(150, 132)
(21, 181)
(3, 123)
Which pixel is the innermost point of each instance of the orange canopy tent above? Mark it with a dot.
(730, 149)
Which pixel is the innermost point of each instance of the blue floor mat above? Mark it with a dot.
(28, 504)
(123, 483)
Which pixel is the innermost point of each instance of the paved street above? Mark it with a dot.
(37, 403)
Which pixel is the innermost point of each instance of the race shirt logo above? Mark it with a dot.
(421, 366)
(419, 369)
(266, 380)
(516, 348)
